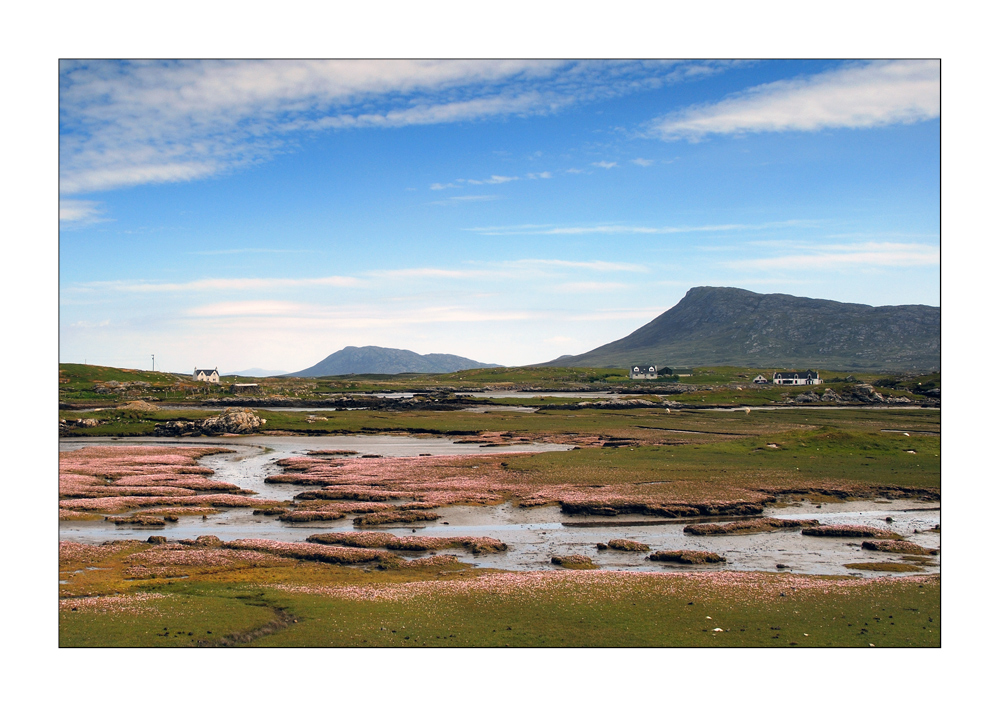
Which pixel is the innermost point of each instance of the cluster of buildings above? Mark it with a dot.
(779, 378)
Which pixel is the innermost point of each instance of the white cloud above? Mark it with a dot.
(550, 230)
(598, 265)
(605, 165)
(540, 175)
(857, 96)
(642, 162)
(463, 199)
(249, 283)
(80, 212)
(129, 123)
(588, 287)
(853, 255)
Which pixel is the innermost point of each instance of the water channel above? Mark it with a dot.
(533, 535)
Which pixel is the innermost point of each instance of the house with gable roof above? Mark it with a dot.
(207, 375)
(796, 378)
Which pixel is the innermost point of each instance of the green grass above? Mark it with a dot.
(632, 610)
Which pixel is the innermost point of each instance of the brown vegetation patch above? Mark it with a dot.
(851, 531)
(686, 557)
(310, 516)
(65, 514)
(899, 546)
(574, 562)
(476, 545)
(434, 561)
(627, 545)
(395, 517)
(331, 452)
(312, 551)
(616, 506)
(745, 527)
(348, 493)
(142, 520)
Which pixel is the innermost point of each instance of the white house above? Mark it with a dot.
(796, 378)
(760, 379)
(204, 374)
(642, 372)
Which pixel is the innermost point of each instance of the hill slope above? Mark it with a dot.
(717, 326)
(376, 359)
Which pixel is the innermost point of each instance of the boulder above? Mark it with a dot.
(232, 421)
(809, 397)
(830, 397)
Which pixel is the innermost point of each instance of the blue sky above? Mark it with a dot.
(266, 214)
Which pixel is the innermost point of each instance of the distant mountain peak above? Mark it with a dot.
(378, 359)
(718, 326)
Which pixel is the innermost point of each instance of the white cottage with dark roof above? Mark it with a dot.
(205, 374)
(642, 372)
(796, 378)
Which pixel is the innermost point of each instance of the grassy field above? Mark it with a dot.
(312, 604)
(80, 383)
(223, 597)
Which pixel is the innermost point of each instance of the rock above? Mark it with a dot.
(140, 405)
(232, 421)
(862, 392)
(809, 397)
(157, 539)
(830, 397)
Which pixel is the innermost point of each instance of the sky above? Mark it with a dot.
(265, 214)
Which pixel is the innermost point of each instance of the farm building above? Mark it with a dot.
(642, 372)
(760, 379)
(675, 371)
(796, 378)
(204, 374)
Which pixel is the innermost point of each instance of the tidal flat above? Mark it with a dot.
(231, 534)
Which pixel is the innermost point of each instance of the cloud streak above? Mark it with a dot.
(893, 255)
(859, 96)
(130, 123)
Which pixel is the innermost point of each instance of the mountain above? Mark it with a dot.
(726, 326)
(256, 373)
(375, 359)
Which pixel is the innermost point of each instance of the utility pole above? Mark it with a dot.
(154, 361)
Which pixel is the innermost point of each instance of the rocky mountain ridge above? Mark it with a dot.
(720, 326)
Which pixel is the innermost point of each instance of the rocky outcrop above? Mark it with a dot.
(85, 423)
(863, 393)
(232, 421)
(809, 397)
(829, 396)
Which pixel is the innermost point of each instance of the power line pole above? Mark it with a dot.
(154, 361)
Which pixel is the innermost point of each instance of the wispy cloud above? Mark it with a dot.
(129, 123)
(597, 265)
(249, 283)
(495, 179)
(452, 200)
(589, 287)
(858, 96)
(642, 162)
(80, 212)
(604, 165)
(623, 229)
(893, 255)
(540, 175)
(241, 251)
